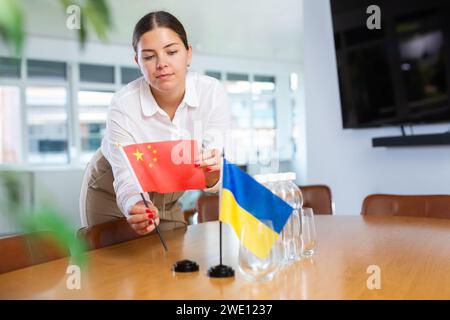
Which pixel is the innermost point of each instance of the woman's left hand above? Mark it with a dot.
(209, 161)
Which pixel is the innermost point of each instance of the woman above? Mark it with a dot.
(167, 103)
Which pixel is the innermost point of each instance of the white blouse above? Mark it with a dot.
(135, 117)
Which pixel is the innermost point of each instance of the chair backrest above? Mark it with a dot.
(108, 233)
(207, 208)
(317, 197)
(189, 215)
(434, 206)
(23, 251)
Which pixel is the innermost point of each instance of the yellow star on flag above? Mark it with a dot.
(138, 155)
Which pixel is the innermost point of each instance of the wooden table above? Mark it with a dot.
(413, 255)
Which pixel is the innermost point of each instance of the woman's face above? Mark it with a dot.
(163, 59)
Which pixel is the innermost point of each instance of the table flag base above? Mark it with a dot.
(185, 266)
(220, 271)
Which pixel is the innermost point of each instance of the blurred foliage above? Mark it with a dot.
(11, 25)
(95, 14)
(45, 218)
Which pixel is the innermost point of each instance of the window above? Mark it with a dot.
(241, 130)
(10, 128)
(264, 118)
(214, 74)
(263, 84)
(237, 83)
(96, 73)
(253, 109)
(9, 68)
(46, 70)
(92, 120)
(129, 74)
(37, 104)
(47, 125)
(263, 112)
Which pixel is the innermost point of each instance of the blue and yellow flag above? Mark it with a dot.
(247, 203)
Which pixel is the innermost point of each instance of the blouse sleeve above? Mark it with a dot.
(117, 135)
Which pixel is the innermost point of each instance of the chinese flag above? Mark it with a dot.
(165, 166)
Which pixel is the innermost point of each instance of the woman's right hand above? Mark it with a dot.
(143, 219)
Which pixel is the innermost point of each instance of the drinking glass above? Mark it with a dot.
(309, 236)
(252, 267)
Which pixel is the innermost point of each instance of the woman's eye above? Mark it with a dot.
(149, 57)
(172, 52)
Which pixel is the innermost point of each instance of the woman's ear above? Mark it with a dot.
(137, 62)
(189, 55)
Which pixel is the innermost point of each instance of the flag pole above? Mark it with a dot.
(156, 226)
(221, 270)
(184, 265)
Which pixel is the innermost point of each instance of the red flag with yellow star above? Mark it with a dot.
(165, 166)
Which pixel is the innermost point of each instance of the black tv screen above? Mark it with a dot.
(396, 72)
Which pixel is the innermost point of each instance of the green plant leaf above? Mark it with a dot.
(94, 13)
(11, 25)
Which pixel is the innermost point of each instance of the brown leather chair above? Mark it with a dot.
(23, 251)
(317, 197)
(117, 231)
(189, 215)
(433, 206)
(207, 208)
(108, 233)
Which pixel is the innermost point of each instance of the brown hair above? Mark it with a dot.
(157, 19)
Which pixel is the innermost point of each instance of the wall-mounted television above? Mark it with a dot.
(398, 74)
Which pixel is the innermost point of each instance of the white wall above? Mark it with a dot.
(344, 159)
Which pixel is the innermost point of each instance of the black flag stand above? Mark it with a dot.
(156, 226)
(182, 265)
(221, 270)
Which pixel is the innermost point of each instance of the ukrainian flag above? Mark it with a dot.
(245, 202)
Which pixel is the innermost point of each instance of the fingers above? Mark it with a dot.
(142, 209)
(142, 219)
(209, 160)
(140, 214)
(208, 154)
(149, 227)
(142, 225)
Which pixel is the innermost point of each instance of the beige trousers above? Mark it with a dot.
(98, 199)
